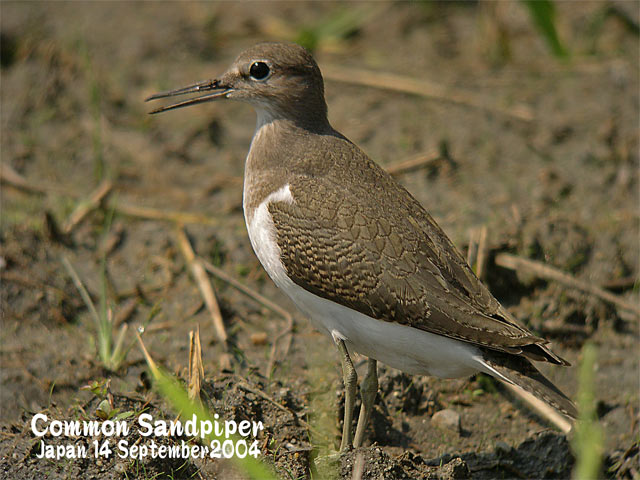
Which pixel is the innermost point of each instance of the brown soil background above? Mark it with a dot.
(561, 188)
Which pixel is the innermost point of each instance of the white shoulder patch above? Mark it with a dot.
(283, 194)
(262, 233)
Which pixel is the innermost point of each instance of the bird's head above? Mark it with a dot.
(280, 80)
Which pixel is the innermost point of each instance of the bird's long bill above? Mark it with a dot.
(207, 85)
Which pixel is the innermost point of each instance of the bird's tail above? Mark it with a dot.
(519, 373)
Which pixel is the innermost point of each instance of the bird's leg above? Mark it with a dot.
(368, 391)
(350, 378)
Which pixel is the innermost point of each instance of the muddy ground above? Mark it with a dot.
(542, 151)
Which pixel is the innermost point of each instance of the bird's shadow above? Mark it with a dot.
(383, 431)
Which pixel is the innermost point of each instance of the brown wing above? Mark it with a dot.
(371, 247)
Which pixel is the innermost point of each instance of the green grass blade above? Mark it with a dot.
(588, 439)
(104, 332)
(543, 14)
(338, 25)
(83, 291)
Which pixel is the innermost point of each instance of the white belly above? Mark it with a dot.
(405, 348)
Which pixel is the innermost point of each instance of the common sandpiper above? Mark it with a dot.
(355, 251)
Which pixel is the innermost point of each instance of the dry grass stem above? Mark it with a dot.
(621, 283)
(9, 176)
(547, 272)
(150, 362)
(85, 207)
(147, 213)
(159, 326)
(143, 295)
(477, 253)
(259, 338)
(21, 279)
(472, 251)
(287, 334)
(399, 83)
(196, 369)
(544, 410)
(481, 261)
(413, 163)
(225, 277)
(206, 289)
(112, 240)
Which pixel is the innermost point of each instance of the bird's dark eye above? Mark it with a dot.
(259, 70)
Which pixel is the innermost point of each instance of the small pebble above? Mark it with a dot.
(447, 419)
